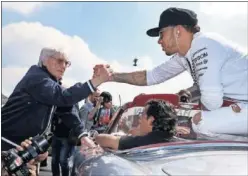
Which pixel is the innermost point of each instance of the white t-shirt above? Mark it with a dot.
(219, 68)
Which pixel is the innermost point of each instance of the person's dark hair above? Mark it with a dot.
(192, 29)
(106, 96)
(164, 114)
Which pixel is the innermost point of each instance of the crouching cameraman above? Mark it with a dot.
(16, 161)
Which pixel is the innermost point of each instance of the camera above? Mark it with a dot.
(184, 99)
(184, 96)
(15, 161)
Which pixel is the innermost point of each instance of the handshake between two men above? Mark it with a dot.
(103, 72)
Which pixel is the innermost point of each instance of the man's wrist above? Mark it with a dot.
(91, 86)
(96, 81)
(84, 134)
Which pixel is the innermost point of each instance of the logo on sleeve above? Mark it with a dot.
(198, 51)
(203, 68)
(199, 61)
(199, 57)
(201, 74)
(205, 61)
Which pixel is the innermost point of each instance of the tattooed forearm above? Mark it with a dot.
(135, 78)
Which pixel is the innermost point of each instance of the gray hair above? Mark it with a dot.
(49, 52)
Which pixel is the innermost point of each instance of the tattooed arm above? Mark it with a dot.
(135, 78)
(157, 75)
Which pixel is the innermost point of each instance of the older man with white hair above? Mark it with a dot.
(28, 109)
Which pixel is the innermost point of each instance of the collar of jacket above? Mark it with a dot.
(50, 75)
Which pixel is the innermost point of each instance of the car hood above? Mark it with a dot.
(191, 159)
(107, 164)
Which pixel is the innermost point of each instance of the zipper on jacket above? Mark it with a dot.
(53, 109)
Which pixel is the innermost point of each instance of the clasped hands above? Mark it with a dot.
(103, 72)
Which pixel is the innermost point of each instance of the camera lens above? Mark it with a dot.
(39, 145)
(184, 99)
(14, 161)
(42, 144)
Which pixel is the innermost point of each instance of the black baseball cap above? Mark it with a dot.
(174, 16)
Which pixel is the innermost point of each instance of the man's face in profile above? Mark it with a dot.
(57, 65)
(95, 96)
(167, 40)
(145, 122)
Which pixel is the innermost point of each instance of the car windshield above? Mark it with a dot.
(129, 120)
(128, 124)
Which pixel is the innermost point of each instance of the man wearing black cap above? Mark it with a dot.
(217, 68)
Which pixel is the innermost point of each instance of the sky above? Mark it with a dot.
(105, 32)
